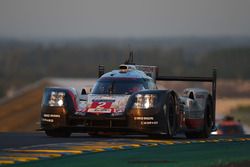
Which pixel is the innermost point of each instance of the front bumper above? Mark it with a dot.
(136, 120)
(53, 117)
(148, 121)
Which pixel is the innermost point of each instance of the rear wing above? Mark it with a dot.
(150, 71)
(211, 79)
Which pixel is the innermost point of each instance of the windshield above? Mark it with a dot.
(118, 86)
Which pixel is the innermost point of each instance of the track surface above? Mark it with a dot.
(18, 148)
(13, 140)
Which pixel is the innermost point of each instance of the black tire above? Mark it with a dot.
(208, 120)
(169, 112)
(207, 127)
(58, 133)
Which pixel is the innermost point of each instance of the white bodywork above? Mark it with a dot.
(194, 105)
(114, 104)
(194, 100)
(108, 103)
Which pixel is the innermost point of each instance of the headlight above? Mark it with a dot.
(145, 101)
(56, 99)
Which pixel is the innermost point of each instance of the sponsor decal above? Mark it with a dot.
(143, 118)
(100, 110)
(146, 120)
(149, 122)
(47, 120)
(51, 115)
(101, 106)
(106, 104)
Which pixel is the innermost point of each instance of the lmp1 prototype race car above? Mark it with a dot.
(127, 101)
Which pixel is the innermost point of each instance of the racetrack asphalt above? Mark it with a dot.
(36, 149)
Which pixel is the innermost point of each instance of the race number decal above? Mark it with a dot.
(101, 105)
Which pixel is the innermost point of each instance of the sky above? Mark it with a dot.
(123, 18)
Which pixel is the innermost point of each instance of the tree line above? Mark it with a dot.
(21, 64)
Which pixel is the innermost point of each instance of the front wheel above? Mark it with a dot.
(58, 133)
(169, 111)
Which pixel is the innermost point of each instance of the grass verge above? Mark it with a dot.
(243, 114)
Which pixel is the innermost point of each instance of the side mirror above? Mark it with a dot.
(83, 92)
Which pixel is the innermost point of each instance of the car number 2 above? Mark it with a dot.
(101, 105)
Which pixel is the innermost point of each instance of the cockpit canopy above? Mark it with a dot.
(112, 85)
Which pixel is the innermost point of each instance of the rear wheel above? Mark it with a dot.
(58, 133)
(206, 130)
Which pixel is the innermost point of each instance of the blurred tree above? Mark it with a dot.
(24, 62)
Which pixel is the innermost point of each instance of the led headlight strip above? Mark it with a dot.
(145, 101)
(56, 99)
